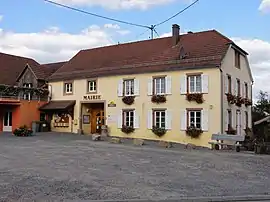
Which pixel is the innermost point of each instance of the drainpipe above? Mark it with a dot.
(221, 98)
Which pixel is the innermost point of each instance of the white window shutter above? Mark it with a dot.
(168, 85)
(120, 88)
(50, 90)
(233, 115)
(232, 86)
(205, 81)
(150, 86)
(150, 119)
(249, 91)
(136, 120)
(183, 85)
(120, 119)
(136, 87)
(205, 120)
(183, 120)
(226, 120)
(168, 120)
(226, 84)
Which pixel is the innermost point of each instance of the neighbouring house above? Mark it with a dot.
(23, 89)
(181, 89)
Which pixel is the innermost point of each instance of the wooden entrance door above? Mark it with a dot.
(97, 120)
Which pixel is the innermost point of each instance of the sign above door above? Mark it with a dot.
(92, 97)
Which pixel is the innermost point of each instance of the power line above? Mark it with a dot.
(176, 14)
(96, 15)
(156, 32)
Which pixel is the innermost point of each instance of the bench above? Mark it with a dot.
(233, 140)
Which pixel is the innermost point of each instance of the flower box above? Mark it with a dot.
(197, 97)
(159, 131)
(128, 100)
(127, 129)
(194, 132)
(158, 99)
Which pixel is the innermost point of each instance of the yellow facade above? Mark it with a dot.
(176, 102)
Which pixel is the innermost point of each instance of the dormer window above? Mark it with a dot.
(183, 54)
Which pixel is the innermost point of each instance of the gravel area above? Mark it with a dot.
(60, 167)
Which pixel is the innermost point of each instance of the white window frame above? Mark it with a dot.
(129, 87)
(28, 95)
(92, 86)
(158, 90)
(129, 118)
(195, 118)
(195, 83)
(68, 88)
(158, 113)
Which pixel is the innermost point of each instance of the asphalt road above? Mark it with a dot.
(70, 167)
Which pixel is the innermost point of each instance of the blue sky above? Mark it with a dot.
(49, 33)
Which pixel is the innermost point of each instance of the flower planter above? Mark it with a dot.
(128, 100)
(231, 98)
(127, 129)
(197, 97)
(194, 132)
(23, 131)
(159, 131)
(158, 99)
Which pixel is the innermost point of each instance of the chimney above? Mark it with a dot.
(175, 34)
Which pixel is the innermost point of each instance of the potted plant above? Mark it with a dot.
(158, 99)
(159, 131)
(239, 101)
(128, 100)
(194, 132)
(197, 97)
(23, 131)
(247, 102)
(231, 98)
(127, 129)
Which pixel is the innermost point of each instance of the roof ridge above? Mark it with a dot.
(18, 56)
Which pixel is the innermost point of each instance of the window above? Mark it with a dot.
(237, 59)
(129, 87)
(229, 118)
(159, 86)
(92, 86)
(42, 117)
(68, 88)
(195, 84)
(159, 119)
(229, 84)
(238, 87)
(246, 90)
(194, 118)
(27, 96)
(128, 118)
(246, 116)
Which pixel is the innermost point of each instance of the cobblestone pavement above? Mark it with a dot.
(71, 167)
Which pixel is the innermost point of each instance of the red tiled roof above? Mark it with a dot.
(203, 49)
(11, 66)
(44, 71)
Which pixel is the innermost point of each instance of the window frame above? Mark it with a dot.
(238, 87)
(246, 90)
(27, 96)
(229, 121)
(195, 117)
(237, 59)
(229, 79)
(155, 87)
(88, 86)
(246, 116)
(154, 118)
(65, 87)
(126, 112)
(195, 83)
(131, 84)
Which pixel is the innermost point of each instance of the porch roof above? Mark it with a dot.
(59, 105)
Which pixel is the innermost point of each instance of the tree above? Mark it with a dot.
(259, 111)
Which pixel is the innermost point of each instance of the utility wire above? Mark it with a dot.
(156, 32)
(176, 14)
(96, 15)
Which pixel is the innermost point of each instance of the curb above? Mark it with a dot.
(195, 199)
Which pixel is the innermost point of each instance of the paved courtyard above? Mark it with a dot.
(70, 167)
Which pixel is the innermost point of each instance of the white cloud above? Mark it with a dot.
(265, 5)
(1, 18)
(117, 4)
(53, 45)
(112, 26)
(259, 58)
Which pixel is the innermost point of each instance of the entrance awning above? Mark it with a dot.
(61, 105)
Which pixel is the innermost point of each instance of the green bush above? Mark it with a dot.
(23, 131)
